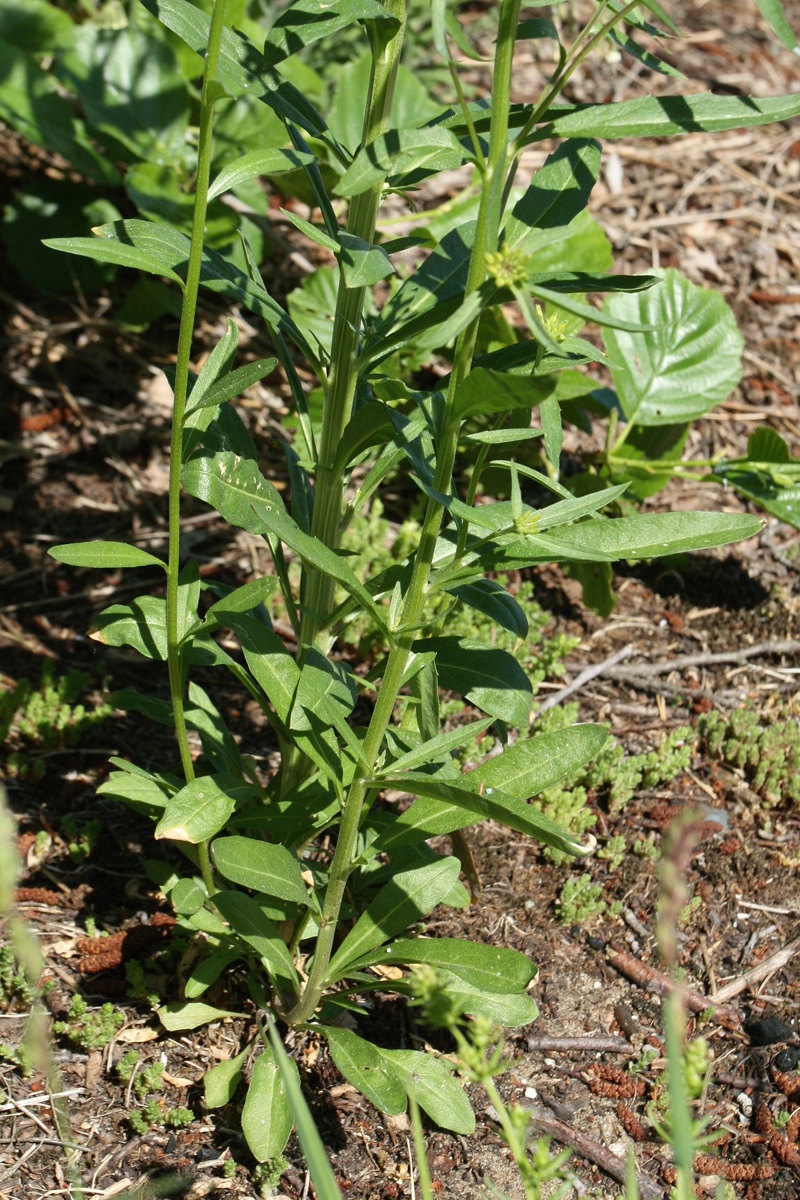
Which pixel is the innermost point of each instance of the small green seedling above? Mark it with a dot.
(89, 1029)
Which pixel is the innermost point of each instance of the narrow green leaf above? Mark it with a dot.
(197, 812)
(363, 264)
(489, 804)
(206, 972)
(366, 1070)
(409, 896)
(485, 391)
(662, 116)
(488, 968)
(256, 163)
(221, 1082)
(102, 250)
(398, 153)
(233, 384)
(494, 601)
(179, 1017)
(271, 870)
(775, 14)
(141, 624)
(266, 1116)
(307, 21)
(440, 747)
(241, 600)
(144, 795)
(559, 190)
(255, 928)
(313, 1150)
(109, 556)
(490, 678)
(388, 1073)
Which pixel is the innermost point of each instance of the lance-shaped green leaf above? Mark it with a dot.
(773, 11)
(485, 391)
(398, 153)
(522, 771)
(362, 264)
(768, 474)
(269, 661)
(307, 21)
(494, 601)
(109, 556)
(240, 601)
(232, 384)
(143, 795)
(314, 1151)
(511, 1010)
(491, 678)
(441, 747)
(102, 250)
(257, 163)
(254, 927)
(652, 535)
(207, 971)
(170, 248)
(407, 897)
(141, 624)
(221, 1082)
(663, 116)
(266, 1116)
(197, 812)
(272, 870)
(490, 968)
(241, 66)
(322, 683)
(427, 297)
(491, 803)
(179, 1017)
(559, 190)
(368, 1071)
(369, 426)
(687, 365)
(384, 1075)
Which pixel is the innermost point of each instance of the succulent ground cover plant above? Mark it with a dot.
(310, 879)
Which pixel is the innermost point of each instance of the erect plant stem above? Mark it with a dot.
(342, 378)
(188, 310)
(486, 238)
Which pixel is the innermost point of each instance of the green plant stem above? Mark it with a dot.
(343, 376)
(486, 238)
(188, 310)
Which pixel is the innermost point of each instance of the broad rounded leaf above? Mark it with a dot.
(690, 363)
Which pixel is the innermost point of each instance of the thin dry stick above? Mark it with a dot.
(607, 1045)
(589, 673)
(773, 646)
(656, 981)
(587, 1147)
(774, 963)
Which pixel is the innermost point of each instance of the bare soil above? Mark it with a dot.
(84, 429)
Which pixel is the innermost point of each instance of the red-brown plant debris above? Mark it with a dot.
(788, 1083)
(104, 954)
(40, 895)
(707, 1164)
(604, 1079)
(631, 1123)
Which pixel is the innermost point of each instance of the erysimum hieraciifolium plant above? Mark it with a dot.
(311, 877)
